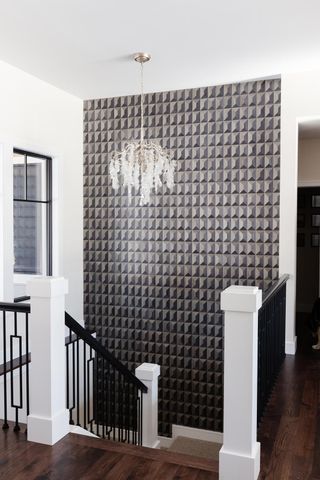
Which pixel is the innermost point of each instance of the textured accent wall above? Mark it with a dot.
(153, 274)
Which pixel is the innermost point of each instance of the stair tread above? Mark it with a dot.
(149, 453)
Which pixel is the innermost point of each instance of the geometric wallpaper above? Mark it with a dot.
(153, 274)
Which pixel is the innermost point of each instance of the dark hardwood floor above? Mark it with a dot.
(78, 457)
(290, 429)
(289, 434)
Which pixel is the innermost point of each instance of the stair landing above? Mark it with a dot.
(80, 457)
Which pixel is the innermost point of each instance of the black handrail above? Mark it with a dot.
(23, 298)
(15, 307)
(82, 333)
(274, 288)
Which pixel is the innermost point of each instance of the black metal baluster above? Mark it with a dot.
(136, 407)
(132, 406)
(73, 384)
(95, 387)
(78, 386)
(13, 405)
(20, 374)
(138, 418)
(27, 365)
(5, 425)
(67, 379)
(121, 407)
(119, 404)
(90, 378)
(129, 412)
(127, 421)
(109, 403)
(141, 417)
(102, 407)
(84, 386)
(133, 414)
(113, 407)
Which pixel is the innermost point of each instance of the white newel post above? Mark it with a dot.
(240, 454)
(48, 421)
(148, 373)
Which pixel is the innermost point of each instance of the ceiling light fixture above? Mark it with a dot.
(142, 165)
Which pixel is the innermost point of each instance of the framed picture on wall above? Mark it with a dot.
(301, 220)
(300, 240)
(315, 201)
(315, 240)
(315, 221)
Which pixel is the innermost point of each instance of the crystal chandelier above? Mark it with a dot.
(142, 165)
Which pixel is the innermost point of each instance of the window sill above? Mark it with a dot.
(23, 278)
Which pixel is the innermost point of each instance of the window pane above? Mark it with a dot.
(30, 238)
(19, 172)
(36, 179)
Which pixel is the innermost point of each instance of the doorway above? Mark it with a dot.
(308, 229)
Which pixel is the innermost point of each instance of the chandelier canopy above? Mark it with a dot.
(142, 165)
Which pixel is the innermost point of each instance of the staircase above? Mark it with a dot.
(68, 379)
(102, 396)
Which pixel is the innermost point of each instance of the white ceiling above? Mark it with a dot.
(84, 46)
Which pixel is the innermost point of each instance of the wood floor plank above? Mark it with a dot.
(316, 454)
(203, 475)
(103, 466)
(128, 469)
(166, 470)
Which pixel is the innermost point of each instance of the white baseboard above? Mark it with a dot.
(291, 347)
(189, 432)
(48, 430)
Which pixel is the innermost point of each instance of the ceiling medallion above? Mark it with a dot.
(142, 165)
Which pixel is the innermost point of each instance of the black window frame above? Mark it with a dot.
(47, 202)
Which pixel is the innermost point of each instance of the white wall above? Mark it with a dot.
(37, 116)
(309, 162)
(300, 96)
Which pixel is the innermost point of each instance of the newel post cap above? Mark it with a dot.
(148, 371)
(241, 299)
(47, 287)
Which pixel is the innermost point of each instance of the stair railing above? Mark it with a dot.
(271, 340)
(14, 364)
(254, 348)
(103, 396)
(81, 384)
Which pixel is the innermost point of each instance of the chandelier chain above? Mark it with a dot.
(142, 107)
